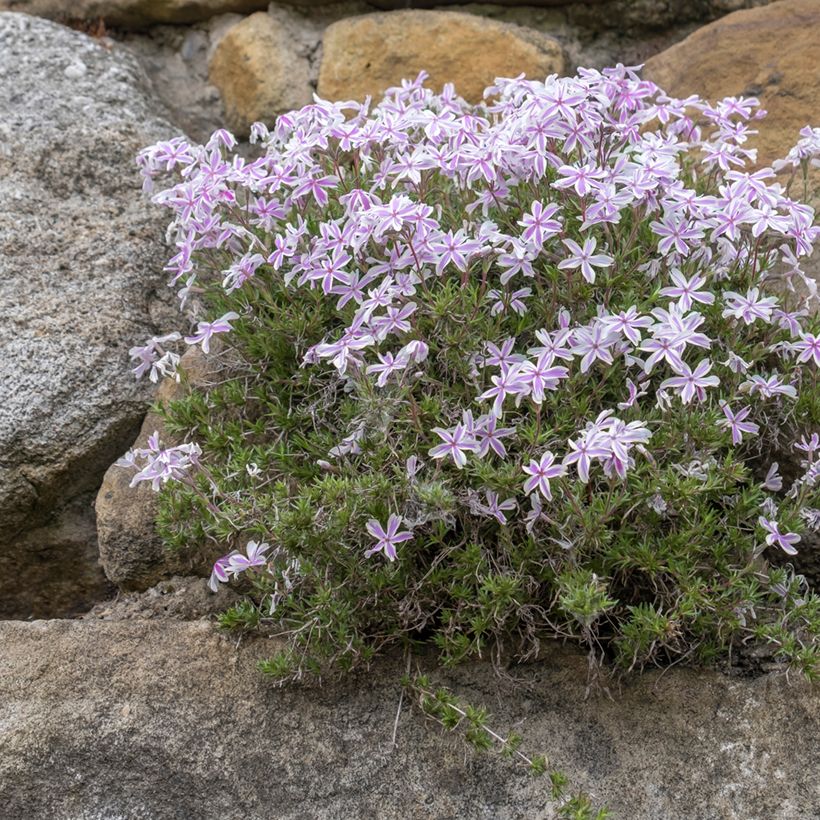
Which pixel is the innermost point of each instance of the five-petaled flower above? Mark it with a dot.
(692, 383)
(205, 330)
(585, 258)
(774, 537)
(254, 557)
(539, 225)
(736, 422)
(687, 291)
(808, 348)
(387, 537)
(457, 443)
(540, 473)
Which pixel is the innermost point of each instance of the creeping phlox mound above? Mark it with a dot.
(497, 372)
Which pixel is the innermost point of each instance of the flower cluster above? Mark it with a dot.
(159, 465)
(567, 293)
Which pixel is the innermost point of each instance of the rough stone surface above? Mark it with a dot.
(81, 256)
(259, 72)
(57, 573)
(176, 60)
(770, 53)
(183, 598)
(132, 13)
(131, 553)
(638, 16)
(159, 720)
(367, 54)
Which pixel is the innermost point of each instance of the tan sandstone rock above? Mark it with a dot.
(771, 52)
(259, 72)
(367, 54)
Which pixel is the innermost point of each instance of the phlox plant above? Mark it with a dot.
(542, 367)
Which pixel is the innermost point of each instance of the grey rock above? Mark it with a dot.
(81, 256)
(158, 720)
(176, 60)
(135, 14)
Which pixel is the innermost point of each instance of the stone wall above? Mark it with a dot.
(162, 720)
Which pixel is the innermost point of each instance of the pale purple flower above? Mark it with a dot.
(628, 322)
(809, 348)
(687, 291)
(539, 225)
(663, 348)
(342, 353)
(812, 518)
(535, 514)
(766, 218)
(514, 300)
(692, 383)
(749, 307)
(254, 556)
(457, 443)
(773, 386)
(387, 365)
(736, 364)
(412, 467)
(392, 217)
(774, 537)
(579, 177)
(517, 260)
(396, 320)
(808, 446)
(683, 327)
(773, 481)
(329, 270)
(387, 537)
(584, 450)
(160, 465)
(501, 356)
(619, 438)
(677, 233)
(489, 436)
(349, 445)
(593, 344)
(415, 351)
(153, 359)
(221, 572)
(540, 473)
(241, 271)
(553, 344)
(317, 187)
(634, 394)
(456, 249)
(585, 258)
(737, 424)
(790, 319)
(497, 509)
(540, 376)
(205, 330)
(510, 382)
